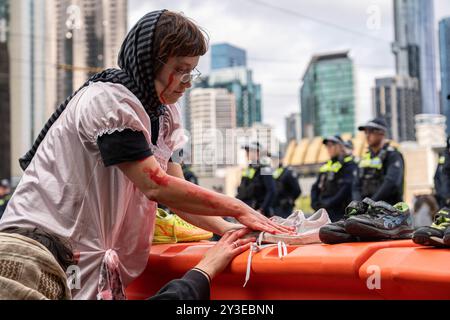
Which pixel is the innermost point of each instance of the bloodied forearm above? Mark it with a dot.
(177, 193)
(216, 225)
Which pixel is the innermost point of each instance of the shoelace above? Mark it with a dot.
(257, 246)
(183, 223)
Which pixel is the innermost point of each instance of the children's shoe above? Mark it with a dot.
(334, 233)
(382, 222)
(437, 234)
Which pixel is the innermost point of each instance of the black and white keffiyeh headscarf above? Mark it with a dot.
(136, 63)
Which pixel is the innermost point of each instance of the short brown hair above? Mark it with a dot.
(178, 36)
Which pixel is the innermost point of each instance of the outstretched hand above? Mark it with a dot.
(256, 221)
(226, 249)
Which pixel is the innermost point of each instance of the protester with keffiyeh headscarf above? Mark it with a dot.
(103, 161)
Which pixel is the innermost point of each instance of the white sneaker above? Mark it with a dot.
(307, 230)
(294, 219)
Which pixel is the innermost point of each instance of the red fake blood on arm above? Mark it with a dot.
(153, 175)
(208, 200)
(161, 96)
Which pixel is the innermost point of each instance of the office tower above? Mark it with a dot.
(397, 99)
(327, 96)
(414, 48)
(5, 136)
(224, 55)
(214, 111)
(293, 127)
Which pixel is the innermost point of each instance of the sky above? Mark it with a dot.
(281, 37)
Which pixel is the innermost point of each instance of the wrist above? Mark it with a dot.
(239, 209)
(207, 270)
(206, 275)
(228, 226)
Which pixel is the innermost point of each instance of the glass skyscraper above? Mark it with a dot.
(229, 70)
(444, 50)
(414, 48)
(224, 55)
(327, 96)
(5, 106)
(239, 81)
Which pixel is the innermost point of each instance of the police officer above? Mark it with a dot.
(5, 195)
(442, 178)
(189, 175)
(348, 148)
(381, 169)
(288, 190)
(257, 188)
(332, 189)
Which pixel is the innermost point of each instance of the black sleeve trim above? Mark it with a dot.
(193, 286)
(123, 146)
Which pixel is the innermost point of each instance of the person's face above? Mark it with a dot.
(2, 191)
(374, 137)
(169, 83)
(333, 149)
(252, 156)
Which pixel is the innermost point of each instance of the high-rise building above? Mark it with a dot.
(444, 52)
(414, 48)
(239, 81)
(212, 147)
(5, 136)
(4, 20)
(54, 46)
(224, 55)
(397, 99)
(32, 69)
(430, 130)
(89, 36)
(264, 134)
(293, 127)
(327, 96)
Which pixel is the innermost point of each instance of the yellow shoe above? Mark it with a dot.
(186, 232)
(164, 228)
(170, 228)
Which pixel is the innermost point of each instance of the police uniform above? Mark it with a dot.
(380, 176)
(287, 191)
(257, 188)
(442, 180)
(189, 175)
(333, 187)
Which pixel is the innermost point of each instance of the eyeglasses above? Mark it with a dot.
(186, 77)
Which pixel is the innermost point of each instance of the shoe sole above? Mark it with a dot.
(302, 239)
(163, 240)
(358, 229)
(446, 240)
(428, 241)
(330, 237)
(195, 238)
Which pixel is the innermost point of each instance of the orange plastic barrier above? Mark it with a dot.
(307, 272)
(410, 273)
